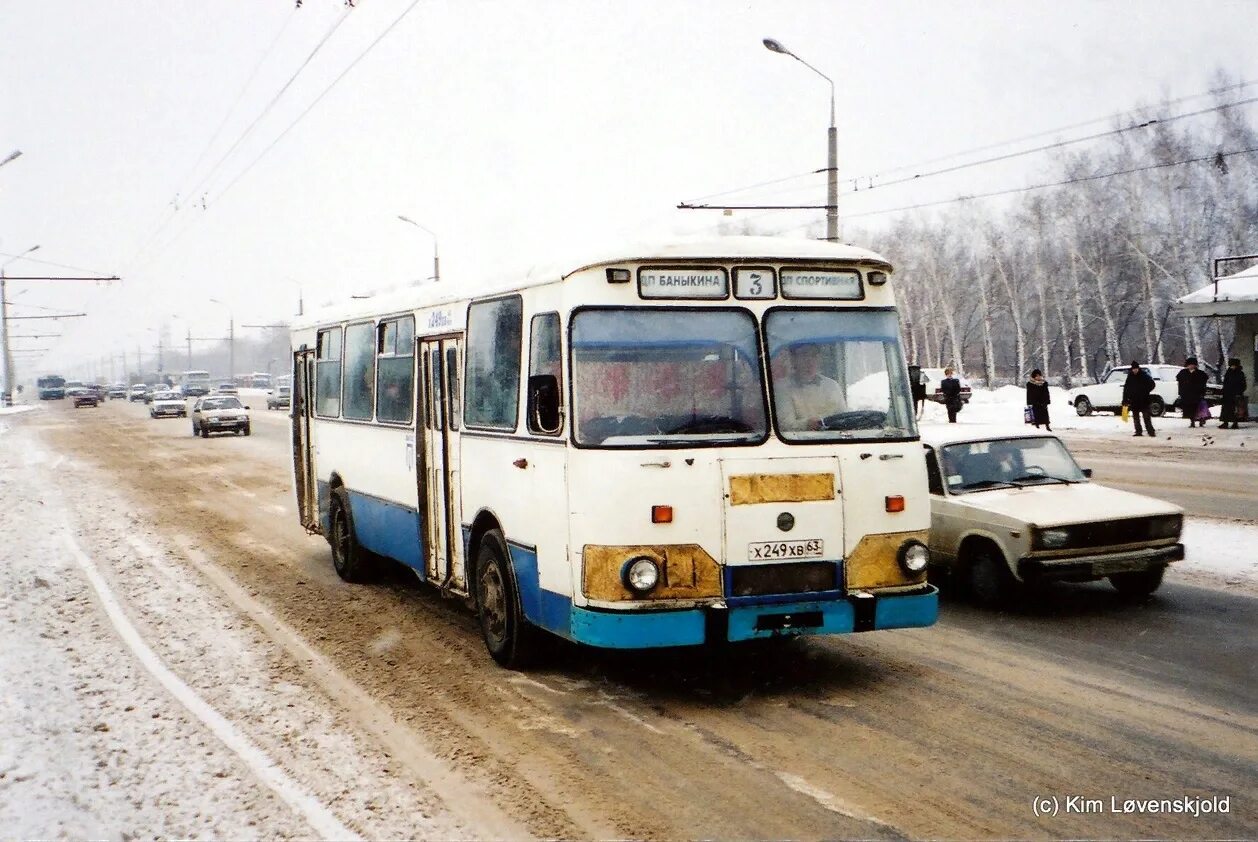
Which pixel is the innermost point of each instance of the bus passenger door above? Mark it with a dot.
(300, 408)
(438, 456)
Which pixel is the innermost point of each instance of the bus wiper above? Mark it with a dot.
(985, 484)
(689, 437)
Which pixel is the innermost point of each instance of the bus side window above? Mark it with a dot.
(395, 369)
(452, 386)
(328, 373)
(492, 383)
(545, 358)
(932, 472)
(360, 371)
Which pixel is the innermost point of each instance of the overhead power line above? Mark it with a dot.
(868, 178)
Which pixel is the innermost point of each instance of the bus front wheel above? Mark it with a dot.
(349, 559)
(510, 639)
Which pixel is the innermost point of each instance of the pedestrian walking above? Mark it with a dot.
(1037, 398)
(918, 387)
(1235, 406)
(1192, 392)
(951, 388)
(1136, 390)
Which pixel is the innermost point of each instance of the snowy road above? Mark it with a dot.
(376, 709)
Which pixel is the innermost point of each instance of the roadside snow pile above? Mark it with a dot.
(17, 408)
(1220, 553)
(1004, 406)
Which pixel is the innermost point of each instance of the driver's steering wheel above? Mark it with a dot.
(860, 419)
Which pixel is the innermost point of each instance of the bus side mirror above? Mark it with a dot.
(544, 413)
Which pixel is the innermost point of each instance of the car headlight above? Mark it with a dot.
(914, 557)
(1166, 527)
(641, 574)
(1052, 539)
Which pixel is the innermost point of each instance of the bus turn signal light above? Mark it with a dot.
(895, 503)
(661, 514)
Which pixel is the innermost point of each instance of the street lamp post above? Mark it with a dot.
(231, 339)
(832, 171)
(6, 396)
(436, 261)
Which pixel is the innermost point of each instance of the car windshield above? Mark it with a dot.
(221, 403)
(650, 377)
(838, 374)
(1006, 463)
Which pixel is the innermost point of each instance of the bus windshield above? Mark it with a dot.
(838, 375)
(650, 377)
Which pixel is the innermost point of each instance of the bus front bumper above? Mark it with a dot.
(693, 627)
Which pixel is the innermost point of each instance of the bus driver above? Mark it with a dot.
(807, 396)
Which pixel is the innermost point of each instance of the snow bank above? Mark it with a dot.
(1219, 554)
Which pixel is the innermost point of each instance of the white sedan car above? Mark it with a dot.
(215, 414)
(168, 405)
(1013, 508)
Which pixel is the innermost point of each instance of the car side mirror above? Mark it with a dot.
(544, 411)
(1087, 472)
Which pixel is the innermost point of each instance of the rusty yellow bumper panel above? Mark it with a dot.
(780, 488)
(686, 572)
(874, 562)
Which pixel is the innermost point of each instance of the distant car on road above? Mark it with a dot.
(280, 398)
(219, 414)
(151, 390)
(1107, 394)
(73, 387)
(136, 392)
(117, 390)
(168, 404)
(84, 396)
(226, 389)
(1012, 509)
(932, 377)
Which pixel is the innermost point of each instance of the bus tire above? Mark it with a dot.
(350, 561)
(511, 640)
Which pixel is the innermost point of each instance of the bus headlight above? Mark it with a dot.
(914, 557)
(641, 574)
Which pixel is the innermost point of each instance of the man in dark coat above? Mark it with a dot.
(1136, 390)
(1192, 390)
(951, 388)
(1234, 387)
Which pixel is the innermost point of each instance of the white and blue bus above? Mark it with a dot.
(670, 446)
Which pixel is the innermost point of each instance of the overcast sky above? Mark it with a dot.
(513, 130)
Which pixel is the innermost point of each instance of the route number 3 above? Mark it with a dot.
(754, 282)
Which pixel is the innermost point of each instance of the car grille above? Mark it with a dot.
(1112, 533)
(768, 579)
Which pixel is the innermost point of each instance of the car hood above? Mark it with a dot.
(215, 413)
(175, 402)
(1059, 505)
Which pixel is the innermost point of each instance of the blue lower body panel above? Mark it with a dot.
(691, 627)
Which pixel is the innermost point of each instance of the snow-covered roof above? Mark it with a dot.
(1231, 295)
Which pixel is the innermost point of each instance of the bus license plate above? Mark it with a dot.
(774, 550)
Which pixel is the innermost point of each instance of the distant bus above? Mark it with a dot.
(195, 383)
(51, 388)
(258, 380)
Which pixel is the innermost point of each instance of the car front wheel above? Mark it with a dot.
(1156, 407)
(1083, 406)
(1140, 583)
(991, 584)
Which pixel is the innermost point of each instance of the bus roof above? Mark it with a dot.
(740, 248)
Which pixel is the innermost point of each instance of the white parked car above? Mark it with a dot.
(219, 414)
(1107, 395)
(168, 404)
(1009, 509)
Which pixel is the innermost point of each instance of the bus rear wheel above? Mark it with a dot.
(511, 640)
(349, 559)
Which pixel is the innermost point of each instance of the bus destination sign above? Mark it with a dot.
(683, 282)
(841, 285)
